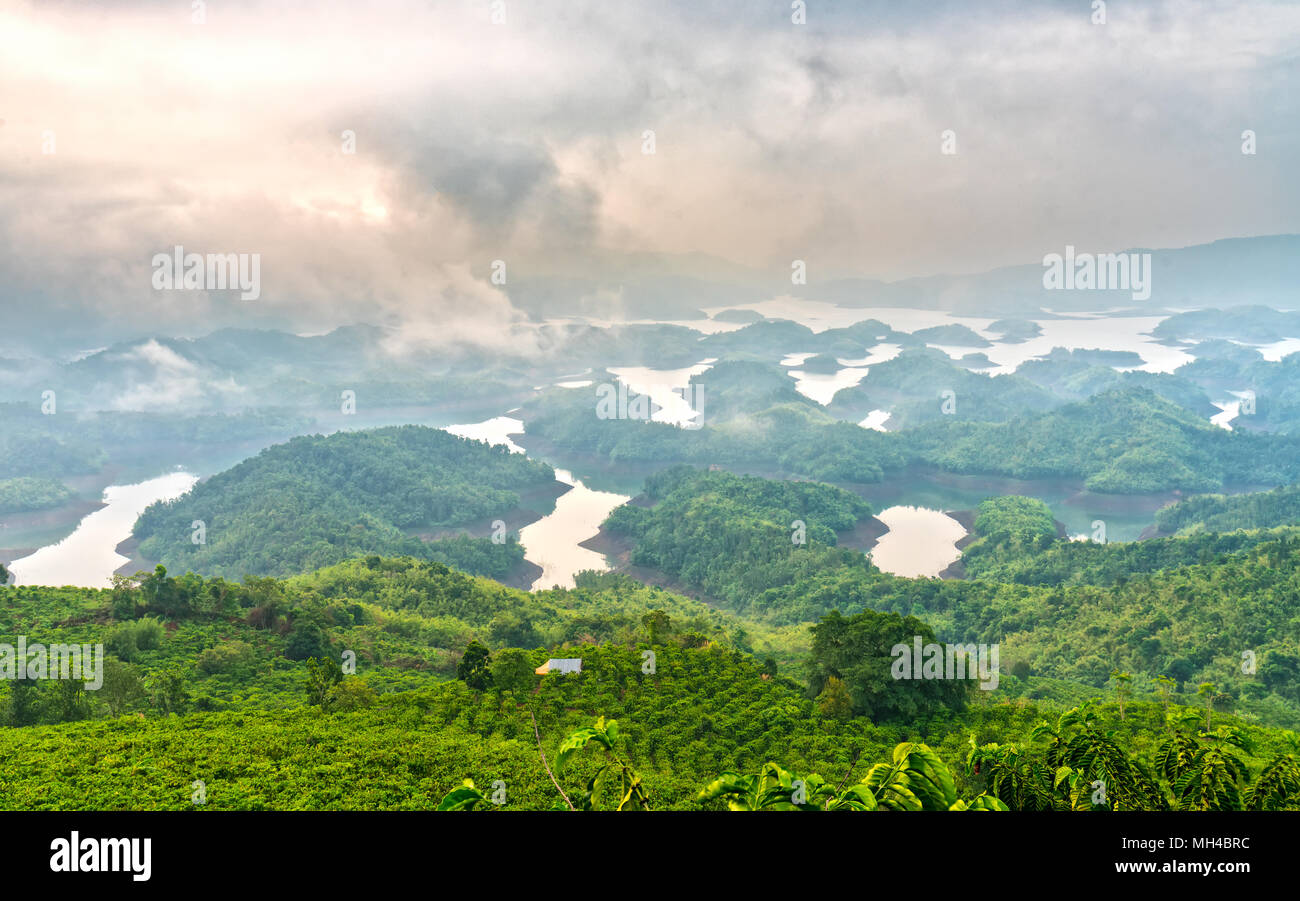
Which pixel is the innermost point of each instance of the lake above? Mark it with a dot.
(663, 387)
(822, 387)
(552, 542)
(1125, 516)
(921, 537)
(88, 557)
(920, 541)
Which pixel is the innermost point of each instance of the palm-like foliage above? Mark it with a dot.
(775, 788)
(1080, 767)
(1277, 787)
(604, 735)
(465, 797)
(1018, 780)
(915, 779)
(1201, 768)
(1089, 755)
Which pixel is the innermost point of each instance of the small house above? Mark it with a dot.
(560, 665)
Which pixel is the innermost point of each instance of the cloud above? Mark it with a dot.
(523, 142)
(161, 358)
(165, 380)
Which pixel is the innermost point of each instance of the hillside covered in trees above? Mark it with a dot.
(350, 688)
(1126, 439)
(319, 500)
(1184, 608)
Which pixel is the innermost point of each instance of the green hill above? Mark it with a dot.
(242, 690)
(1128, 441)
(1227, 513)
(318, 500)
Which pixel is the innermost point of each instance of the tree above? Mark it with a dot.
(1280, 672)
(917, 779)
(512, 671)
(1082, 755)
(129, 638)
(1166, 686)
(122, 686)
(1018, 779)
(657, 624)
(162, 594)
(834, 701)
(1123, 689)
(23, 703)
(167, 688)
(1201, 769)
(126, 590)
(352, 694)
(68, 702)
(510, 629)
(222, 597)
(269, 602)
(1277, 786)
(224, 657)
(858, 650)
(322, 676)
(306, 640)
(473, 668)
(1209, 691)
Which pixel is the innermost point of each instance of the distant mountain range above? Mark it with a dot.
(1260, 270)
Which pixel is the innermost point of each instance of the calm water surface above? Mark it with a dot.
(88, 557)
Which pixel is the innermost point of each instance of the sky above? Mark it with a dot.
(129, 128)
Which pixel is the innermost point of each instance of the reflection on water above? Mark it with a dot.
(1072, 331)
(1276, 350)
(920, 541)
(1126, 516)
(1084, 330)
(88, 557)
(1228, 412)
(1111, 333)
(552, 541)
(663, 387)
(818, 316)
(821, 387)
(1229, 409)
(494, 431)
(876, 420)
(703, 326)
